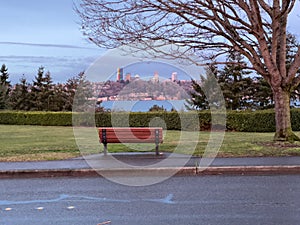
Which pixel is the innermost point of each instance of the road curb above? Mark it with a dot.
(47, 173)
(250, 170)
(178, 171)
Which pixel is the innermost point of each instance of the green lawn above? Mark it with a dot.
(22, 143)
(29, 143)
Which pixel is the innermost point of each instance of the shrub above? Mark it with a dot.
(295, 119)
(246, 121)
(36, 118)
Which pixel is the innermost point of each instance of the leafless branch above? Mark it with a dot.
(209, 28)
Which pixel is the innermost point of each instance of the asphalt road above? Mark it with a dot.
(187, 200)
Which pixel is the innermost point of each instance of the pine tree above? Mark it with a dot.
(42, 91)
(234, 84)
(198, 99)
(235, 87)
(79, 94)
(20, 96)
(5, 87)
(292, 45)
(262, 97)
(157, 108)
(4, 76)
(206, 93)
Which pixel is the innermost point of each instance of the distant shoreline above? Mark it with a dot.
(143, 105)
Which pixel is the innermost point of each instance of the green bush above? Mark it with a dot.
(295, 119)
(246, 121)
(36, 118)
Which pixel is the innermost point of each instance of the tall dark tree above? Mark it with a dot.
(5, 87)
(292, 46)
(234, 83)
(261, 94)
(4, 76)
(20, 96)
(42, 91)
(59, 99)
(198, 99)
(79, 93)
(205, 93)
(255, 28)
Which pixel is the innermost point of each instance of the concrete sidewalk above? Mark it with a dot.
(148, 162)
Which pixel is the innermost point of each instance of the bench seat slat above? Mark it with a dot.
(116, 140)
(131, 136)
(124, 138)
(122, 135)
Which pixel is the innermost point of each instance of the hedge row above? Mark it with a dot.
(36, 118)
(258, 121)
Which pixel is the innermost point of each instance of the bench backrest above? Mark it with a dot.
(131, 134)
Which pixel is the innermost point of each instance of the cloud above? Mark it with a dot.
(44, 45)
(61, 68)
(53, 60)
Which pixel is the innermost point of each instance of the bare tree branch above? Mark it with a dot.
(255, 28)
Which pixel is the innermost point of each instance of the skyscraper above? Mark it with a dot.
(156, 77)
(174, 76)
(120, 74)
(128, 77)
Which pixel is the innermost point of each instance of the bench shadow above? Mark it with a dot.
(132, 159)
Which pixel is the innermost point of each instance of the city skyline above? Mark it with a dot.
(148, 69)
(121, 76)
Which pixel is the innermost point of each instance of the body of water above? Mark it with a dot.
(143, 106)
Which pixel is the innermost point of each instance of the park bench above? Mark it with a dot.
(131, 135)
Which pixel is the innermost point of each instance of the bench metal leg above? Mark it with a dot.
(157, 141)
(105, 148)
(157, 149)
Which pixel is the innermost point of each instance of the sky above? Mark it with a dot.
(43, 33)
(47, 33)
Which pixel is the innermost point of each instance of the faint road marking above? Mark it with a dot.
(106, 222)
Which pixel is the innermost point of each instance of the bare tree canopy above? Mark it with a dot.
(210, 28)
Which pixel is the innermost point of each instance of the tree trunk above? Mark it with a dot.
(282, 116)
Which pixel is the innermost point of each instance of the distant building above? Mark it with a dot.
(120, 74)
(128, 77)
(156, 77)
(174, 76)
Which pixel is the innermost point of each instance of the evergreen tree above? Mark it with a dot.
(20, 96)
(36, 89)
(98, 107)
(79, 93)
(157, 108)
(58, 99)
(234, 84)
(198, 99)
(48, 94)
(292, 45)
(236, 88)
(205, 93)
(4, 76)
(5, 87)
(262, 97)
(42, 91)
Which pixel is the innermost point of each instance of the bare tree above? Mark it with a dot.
(257, 29)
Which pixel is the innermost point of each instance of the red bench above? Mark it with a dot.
(131, 135)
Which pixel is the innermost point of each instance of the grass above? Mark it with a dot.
(31, 143)
(26, 143)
